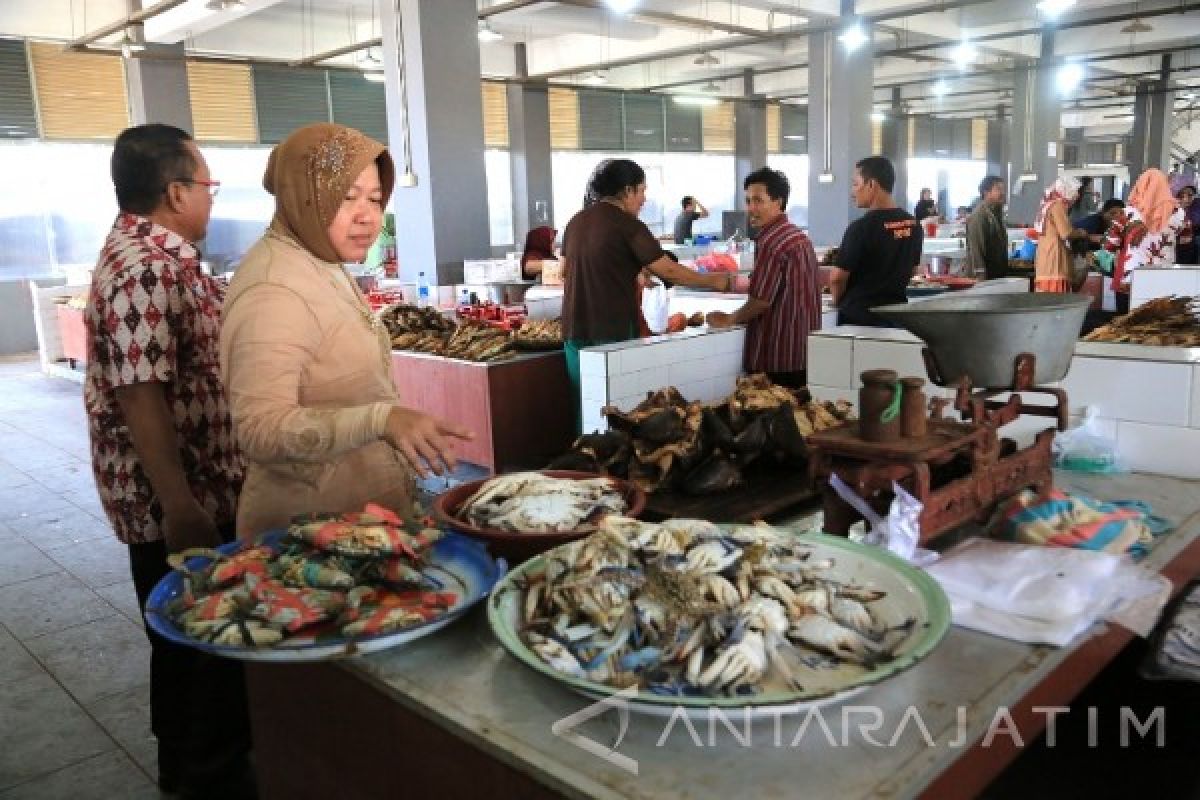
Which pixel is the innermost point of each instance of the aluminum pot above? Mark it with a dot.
(980, 336)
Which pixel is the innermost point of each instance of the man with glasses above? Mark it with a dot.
(167, 467)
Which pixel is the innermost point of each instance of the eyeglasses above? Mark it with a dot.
(212, 186)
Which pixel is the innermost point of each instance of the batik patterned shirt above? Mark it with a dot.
(154, 317)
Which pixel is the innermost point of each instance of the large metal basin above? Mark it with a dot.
(981, 336)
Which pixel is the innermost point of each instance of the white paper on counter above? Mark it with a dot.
(1045, 595)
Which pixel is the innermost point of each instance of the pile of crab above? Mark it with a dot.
(687, 608)
(668, 443)
(353, 575)
(531, 502)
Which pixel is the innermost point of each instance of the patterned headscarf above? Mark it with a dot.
(1153, 199)
(1063, 189)
(309, 173)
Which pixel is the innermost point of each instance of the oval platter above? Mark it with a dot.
(456, 564)
(911, 594)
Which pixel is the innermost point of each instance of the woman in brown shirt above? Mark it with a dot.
(306, 364)
(605, 248)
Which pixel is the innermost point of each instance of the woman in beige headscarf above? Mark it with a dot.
(306, 364)
(1052, 264)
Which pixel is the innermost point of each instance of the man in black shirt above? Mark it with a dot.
(879, 252)
(692, 211)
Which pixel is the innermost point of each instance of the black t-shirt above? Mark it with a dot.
(925, 208)
(879, 251)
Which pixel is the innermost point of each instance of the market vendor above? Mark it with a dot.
(879, 252)
(1095, 226)
(1187, 247)
(306, 363)
(785, 290)
(605, 247)
(539, 247)
(1144, 234)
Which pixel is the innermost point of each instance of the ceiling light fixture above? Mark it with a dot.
(130, 46)
(374, 77)
(695, 100)
(224, 5)
(940, 88)
(706, 59)
(1052, 8)
(1137, 26)
(853, 37)
(878, 116)
(964, 54)
(711, 86)
(596, 78)
(1068, 78)
(487, 33)
(621, 6)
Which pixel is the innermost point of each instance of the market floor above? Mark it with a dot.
(74, 661)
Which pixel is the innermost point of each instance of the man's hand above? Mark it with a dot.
(188, 525)
(719, 319)
(427, 442)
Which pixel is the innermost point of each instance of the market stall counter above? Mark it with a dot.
(520, 409)
(455, 716)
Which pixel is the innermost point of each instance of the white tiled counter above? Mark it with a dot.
(702, 363)
(1147, 398)
(1155, 282)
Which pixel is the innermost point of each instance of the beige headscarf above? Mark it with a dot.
(309, 173)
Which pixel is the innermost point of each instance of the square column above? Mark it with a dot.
(435, 131)
(158, 88)
(749, 137)
(839, 130)
(1152, 117)
(1036, 138)
(529, 146)
(897, 145)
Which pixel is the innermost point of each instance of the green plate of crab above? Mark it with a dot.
(697, 615)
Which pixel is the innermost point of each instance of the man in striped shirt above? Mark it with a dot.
(785, 294)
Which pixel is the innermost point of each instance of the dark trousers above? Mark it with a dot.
(197, 701)
(789, 380)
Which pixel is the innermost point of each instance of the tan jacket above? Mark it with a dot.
(1052, 264)
(308, 372)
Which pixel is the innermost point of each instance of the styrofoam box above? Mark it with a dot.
(491, 270)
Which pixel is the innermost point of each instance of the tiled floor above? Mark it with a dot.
(74, 662)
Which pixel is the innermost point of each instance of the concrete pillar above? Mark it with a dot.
(1152, 117)
(896, 147)
(435, 130)
(749, 137)
(839, 129)
(1036, 146)
(158, 88)
(529, 146)
(997, 145)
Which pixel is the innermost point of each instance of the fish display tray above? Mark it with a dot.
(768, 494)
(911, 594)
(456, 562)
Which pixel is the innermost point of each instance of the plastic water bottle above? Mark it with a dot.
(422, 290)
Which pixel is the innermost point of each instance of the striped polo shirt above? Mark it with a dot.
(787, 279)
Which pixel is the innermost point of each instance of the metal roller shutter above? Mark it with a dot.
(287, 99)
(644, 123)
(358, 103)
(18, 114)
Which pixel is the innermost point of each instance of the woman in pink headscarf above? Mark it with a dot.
(1052, 264)
(1144, 234)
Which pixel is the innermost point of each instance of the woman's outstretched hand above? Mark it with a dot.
(426, 441)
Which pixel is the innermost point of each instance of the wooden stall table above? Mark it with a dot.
(521, 410)
(454, 716)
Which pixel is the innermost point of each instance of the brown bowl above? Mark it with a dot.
(517, 547)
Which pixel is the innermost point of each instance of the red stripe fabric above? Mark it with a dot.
(786, 278)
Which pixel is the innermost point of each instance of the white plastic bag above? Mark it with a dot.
(1085, 448)
(899, 532)
(656, 307)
